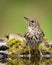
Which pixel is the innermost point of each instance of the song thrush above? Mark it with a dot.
(34, 34)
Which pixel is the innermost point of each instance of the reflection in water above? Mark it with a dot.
(26, 61)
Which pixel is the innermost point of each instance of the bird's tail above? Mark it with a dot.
(45, 40)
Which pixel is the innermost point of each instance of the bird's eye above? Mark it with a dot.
(32, 21)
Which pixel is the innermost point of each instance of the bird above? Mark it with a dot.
(34, 34)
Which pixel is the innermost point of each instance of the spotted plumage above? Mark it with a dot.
(34, 34)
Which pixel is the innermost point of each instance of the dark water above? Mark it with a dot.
(25, 61)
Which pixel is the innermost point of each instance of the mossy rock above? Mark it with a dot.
(16, 46)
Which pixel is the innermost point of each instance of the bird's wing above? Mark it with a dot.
(42, 33)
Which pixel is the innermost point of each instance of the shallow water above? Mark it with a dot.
(26, 61)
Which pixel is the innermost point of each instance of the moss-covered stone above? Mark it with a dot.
(16, 46)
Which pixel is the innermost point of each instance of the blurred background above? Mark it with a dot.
(12, 14)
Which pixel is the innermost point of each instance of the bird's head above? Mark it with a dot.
(32, 22)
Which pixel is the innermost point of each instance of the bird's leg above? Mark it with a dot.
(29, 54)
(41, 55)
(29, 51)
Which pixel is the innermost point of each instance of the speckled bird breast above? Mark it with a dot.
(33, 37)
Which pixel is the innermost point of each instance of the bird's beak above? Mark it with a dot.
(27, 18)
